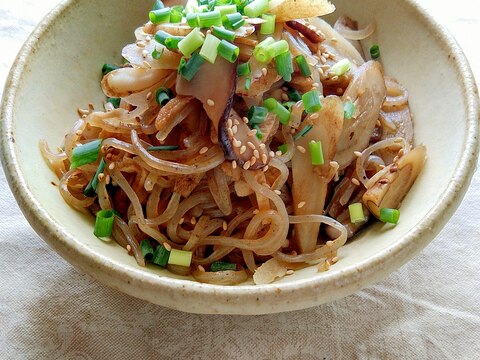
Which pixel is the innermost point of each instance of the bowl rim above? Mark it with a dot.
(247, 299)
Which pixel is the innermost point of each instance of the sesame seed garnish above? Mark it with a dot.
(234, 164)
(243, 149)
(229, 123)
(201, 268)
(111, 166)
(252, 132)
(237, 143)
(357, 153)
(203, 150)
(129, 248)
(256, 211)
(253, 160)
(355, 181)
(265, 169)
(224, 225)
(329, 243)
(246, 166)
(78, 132)
(285, 97)
(301, 149)
(315, 84)
(251, 145)
(193, 220)
(264, 71)
(245, 120)
(324, 266)
(144, 53)
(256, 153)
(289, 272)
(230, 132)
(301, 204)
(323, 59)
(149, 95)
(400, 153)
(146, 64)
(101, 176)
(140, 44)
(334, 260)
(271, 153)
(333, 39)
(234, 129)
(167, 246)
(278, 153)
(210, 102)
(320, 71)
(335, 78)
(264, 158)
(148, 38)
(236, 122)
(262, 146)
(314, 116)
(107, 179)
(278, 192)
(180, 222)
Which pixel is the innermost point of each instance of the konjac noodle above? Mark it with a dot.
(241, 138)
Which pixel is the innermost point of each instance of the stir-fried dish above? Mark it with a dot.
(241, 138)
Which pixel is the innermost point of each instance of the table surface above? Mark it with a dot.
(429, 308)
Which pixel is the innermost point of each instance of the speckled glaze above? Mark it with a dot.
(57, 71)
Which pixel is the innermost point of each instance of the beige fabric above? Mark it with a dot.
(429, 309)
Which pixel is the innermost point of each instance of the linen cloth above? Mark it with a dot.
(428, 309)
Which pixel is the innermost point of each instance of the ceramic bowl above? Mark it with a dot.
(57, 71)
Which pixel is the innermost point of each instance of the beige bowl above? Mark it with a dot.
(57, 71)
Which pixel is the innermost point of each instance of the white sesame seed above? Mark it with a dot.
(201, 268)
(148, 38)
(329, 243)
(264, 158)
(335, 259)
(252, 132)
(285, 97)
(289, 272)
(203, 150)
(271, 153)
(101, 176)
(301, 204)
(210, 102)
(107, 179)
(224, 225)
(246, 166)
(234, 129)
(237, 143)
(264, 71)
(193, 220)
(234, 164)
(245, 120)
(146, 64)
(265, 169)
(140, 44)
(243, 149)
(129, 248)
(256, 211)
(236, 122)
(253, 160)
(167, 246)
(256, 153)
(355, 181)
(251, 145)
(278, 153)
(335, 78)
(111, 166)
(315, 84)
(180, 222)
(230, 132)
(301, 149)
(229, 123)
(320, 71)
(78, 132)
(278, 192)
(144, 53)
(149, 95)
(357, 153)
(323, 59)
(333, 39)
(262, 146)
(314, 116)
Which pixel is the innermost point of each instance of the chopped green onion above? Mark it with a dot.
(224, 2)
(316, 152)
(275, 107)
(284, 65)
(277, 48)
(222, 266)
(114, 101)
(283, 148)
(348, 110)
(268, 27)
(190, 69)
(162, 148)
(375, 51)
(191, 42)
(288, 105)
(356, 213)
(91, 187)
(244, 69)
(104, 223)
(259, 131)
(223, 33)
(389, 215)
(158, 4)
(228, 51)
(180, 257)
(233, 21)
(226, 9)
(256, 8)
(146, 249)
(209, 48)
(160, 256)
(212, 4)
(181, 65)
(177, 14)
(241, 4)
(248, 82)
(260, 52)
(341, 67)
(192, 20)
(311, 101)
(160, 15)
(210, 18)
(85, 154)
(170, 41)
(303, 66)
(257, 114)
(157, 54)
(106, 68)
(305, 130)
(163, 95)
(294, 95)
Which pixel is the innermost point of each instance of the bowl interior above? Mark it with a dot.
(60, 71)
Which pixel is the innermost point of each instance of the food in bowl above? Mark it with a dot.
(241, 138)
